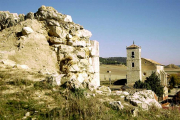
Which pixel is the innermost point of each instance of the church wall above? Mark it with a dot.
(159, 68)
(147, 68)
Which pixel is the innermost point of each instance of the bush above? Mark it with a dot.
(151, 83)
(154, 81)
(176, 98)
(174, 80)
(139, 84)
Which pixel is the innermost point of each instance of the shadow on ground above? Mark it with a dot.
(120, 82)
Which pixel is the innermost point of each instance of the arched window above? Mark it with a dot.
(132, 64)
(132, 54)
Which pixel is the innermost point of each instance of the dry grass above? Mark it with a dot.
(117, 72)
(44, 101)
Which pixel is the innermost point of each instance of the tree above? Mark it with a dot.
(151, 83)
(154, 82)
(174, 80)
(139, 84)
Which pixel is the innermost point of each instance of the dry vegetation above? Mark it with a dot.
(24, 95)
(117, 72)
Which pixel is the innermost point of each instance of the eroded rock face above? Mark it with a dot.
(76, 55)
(143, 99)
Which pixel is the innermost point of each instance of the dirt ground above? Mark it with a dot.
(117, 72)
(172, 70)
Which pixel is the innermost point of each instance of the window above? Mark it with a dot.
(144, 73)
(132, 54)
(132, 64)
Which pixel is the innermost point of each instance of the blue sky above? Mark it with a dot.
(152, 24)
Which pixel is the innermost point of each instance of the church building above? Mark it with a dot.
(139, 68)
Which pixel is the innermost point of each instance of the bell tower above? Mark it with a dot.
(133, 64)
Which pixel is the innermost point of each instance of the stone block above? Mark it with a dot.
(9, 63)
(56, 79)
(116, 105)
(82, 76)
(74, 68)
(66, 49)
(25, 67)
(71, 57)
(68, 18)
(57, 32)
(95, 80)
(95, 63)
(55, 40)
(60, 56)
(84, 33)
(95, 48)
(30, 15)
(105, 90)
(27, 30)
(81, 54)
(84, 62)
(90, 69)
(52, 22)
(79, 44)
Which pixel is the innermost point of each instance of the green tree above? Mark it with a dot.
(174, 80)
(151, 83)
(154, 82)
(139, 84)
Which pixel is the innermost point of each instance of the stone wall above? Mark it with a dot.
(77, 55)
(147, 68)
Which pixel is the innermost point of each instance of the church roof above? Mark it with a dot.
(152, 61)
(133, 46)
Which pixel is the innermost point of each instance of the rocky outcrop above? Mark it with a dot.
(116, 105)
(143, 99)
(8, 19)
(103, 90)
(77, 57)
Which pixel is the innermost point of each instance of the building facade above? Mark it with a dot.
(139, 68)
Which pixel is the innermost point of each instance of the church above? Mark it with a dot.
(139, 68)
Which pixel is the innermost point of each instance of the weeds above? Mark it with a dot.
(71, 105)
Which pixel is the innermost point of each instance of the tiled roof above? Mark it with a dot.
(133, 46)
(152, 61)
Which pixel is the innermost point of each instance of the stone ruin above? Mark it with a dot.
(68, 46)
(77, 55)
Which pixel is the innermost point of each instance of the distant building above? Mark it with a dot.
(139, 68)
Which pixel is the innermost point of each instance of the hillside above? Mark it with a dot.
(172, 66)
(113, 60)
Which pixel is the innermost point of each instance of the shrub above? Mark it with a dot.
(154, 82)
(151, 83)
(139, 84)
(174, 80)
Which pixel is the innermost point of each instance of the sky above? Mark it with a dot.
(152, 24)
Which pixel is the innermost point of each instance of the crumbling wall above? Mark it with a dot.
(77, 55)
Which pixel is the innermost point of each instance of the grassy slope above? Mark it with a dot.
(23, 92)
